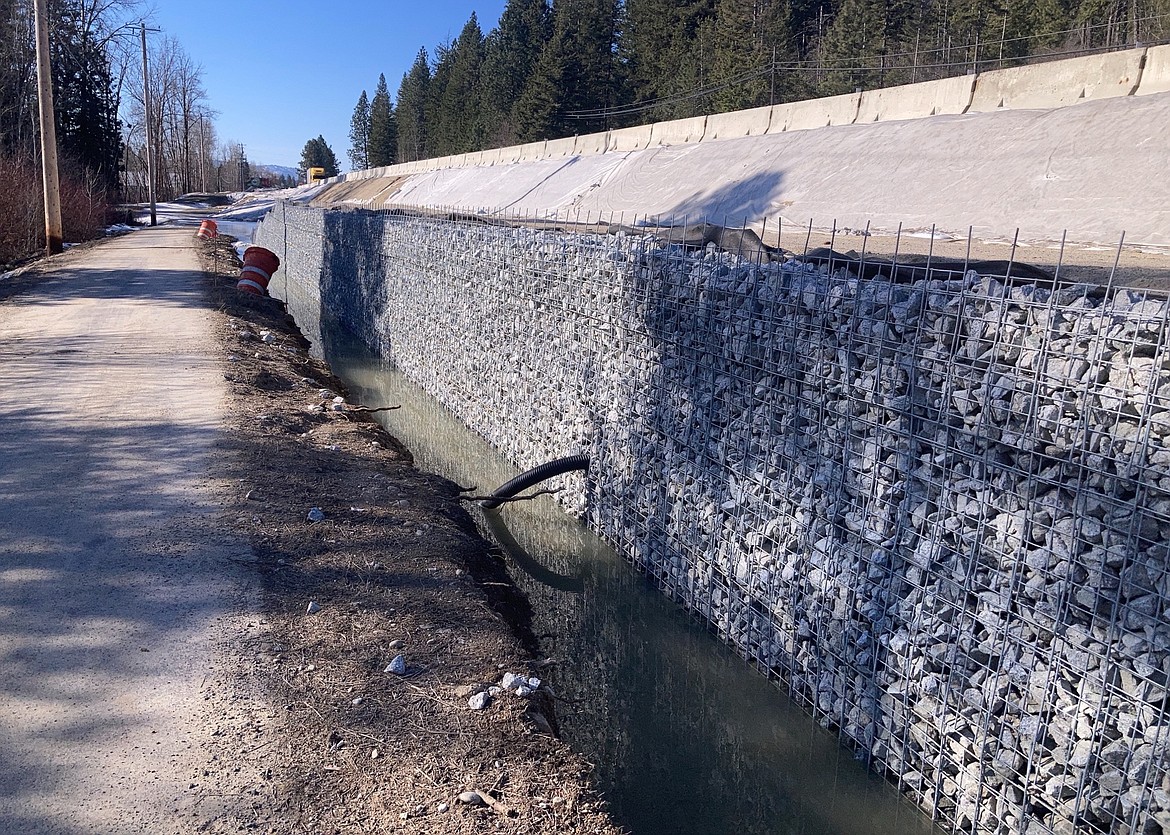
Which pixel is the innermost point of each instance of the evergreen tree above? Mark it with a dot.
(577, 74)
(855, 36)
(668, 50)
(748, 35)
(359, 134)
(412, 106)
(539, 112)
(456, 122)
(511, 53)
(86, 105)
(440, 77)
(318, 154)
(383, 141)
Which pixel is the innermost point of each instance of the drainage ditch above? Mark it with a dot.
(686, 737)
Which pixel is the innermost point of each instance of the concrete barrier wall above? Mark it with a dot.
(678, 131)
(738, 124)
(531, 151)
(628, 139)
(815, 113)
(914, 101)
(1039, 86)
(1156, 74)
(592, 143)
(511, 154)
(557, 148)
(941, 520)
(1058, 83)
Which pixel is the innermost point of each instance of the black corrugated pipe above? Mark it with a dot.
(556, 467)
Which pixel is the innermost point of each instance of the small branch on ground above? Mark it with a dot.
(495, 805)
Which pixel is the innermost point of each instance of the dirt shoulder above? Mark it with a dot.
(390, 565)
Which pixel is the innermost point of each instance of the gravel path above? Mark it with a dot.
(115, 590)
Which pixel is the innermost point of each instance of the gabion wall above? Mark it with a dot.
(939, 511)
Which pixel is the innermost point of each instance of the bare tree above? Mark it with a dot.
(180, 120)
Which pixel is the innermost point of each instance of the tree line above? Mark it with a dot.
(101, 120)
(554, 69)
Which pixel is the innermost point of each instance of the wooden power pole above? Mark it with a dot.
(149, 140)
(54, 240)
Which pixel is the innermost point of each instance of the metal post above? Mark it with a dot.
(149, 143)
(54, 238)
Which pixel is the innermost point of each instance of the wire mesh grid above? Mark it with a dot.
(935, 504)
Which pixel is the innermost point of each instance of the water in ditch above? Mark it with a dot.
(686, 737)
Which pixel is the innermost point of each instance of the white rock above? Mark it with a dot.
(397, 666)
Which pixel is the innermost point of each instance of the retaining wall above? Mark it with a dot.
(1047, 85)
(939, 511)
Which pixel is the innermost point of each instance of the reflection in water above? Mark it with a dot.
(686, 737)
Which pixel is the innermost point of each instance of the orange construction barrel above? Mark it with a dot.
(206, 230)
(259, 265)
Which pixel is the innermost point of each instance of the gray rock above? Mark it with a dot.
(479, 701)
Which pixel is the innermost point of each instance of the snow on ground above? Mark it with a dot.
(1089, 170)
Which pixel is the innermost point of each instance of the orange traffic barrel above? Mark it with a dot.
(259, 265)
(206, 230)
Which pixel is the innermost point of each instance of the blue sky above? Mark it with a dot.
(280, 73)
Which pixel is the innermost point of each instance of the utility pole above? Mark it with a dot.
(202, 155)
(149, 142)
(54, 238)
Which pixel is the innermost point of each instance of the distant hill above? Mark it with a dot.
(279, 170)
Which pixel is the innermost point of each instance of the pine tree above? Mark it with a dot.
(576, 75)
(538, 113)
(748, 35)
(383, 142)
(86, 106)
(511, 53)
(359, 134)
(456, 120)
(318, 154)
(856, 34)
(412, 106)
(668, 48)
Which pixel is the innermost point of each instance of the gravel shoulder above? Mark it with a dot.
(392, 566)
(162, 441)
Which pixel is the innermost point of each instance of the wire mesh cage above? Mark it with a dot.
(931, 500)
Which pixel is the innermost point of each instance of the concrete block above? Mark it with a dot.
(738, 123)
(1058, 83)
(556, 148)
(509, 154)
(489, 157)
(914, 101)
(815, 113)
(592, 143)
(629, 139)
(678, 131)
(1156, 75)
(531, 151)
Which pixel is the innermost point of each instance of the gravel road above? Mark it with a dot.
(117, 596)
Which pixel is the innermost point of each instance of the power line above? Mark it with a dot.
(820, 68)
(882, 64)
